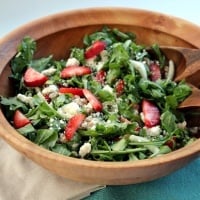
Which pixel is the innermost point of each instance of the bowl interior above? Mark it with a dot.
(59, 44)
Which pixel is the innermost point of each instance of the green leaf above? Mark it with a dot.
(46, 137)
(41, 64)
(112, 75)
(78, 54)
(159, 55)
(182, 91)
(105, 95)
(119, 56)
(119, 145)
(13, 103)
(26, 130)
(61, 149)
(168, 121)
(23, 58)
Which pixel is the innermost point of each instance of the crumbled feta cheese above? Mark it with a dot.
(90, 122)
(25, 99)
(49, 89)
(80, 101)
(108, 89)
(99, 65)
(91, 62)
(72, 62)
(104, 56)
(49, 72)
(153, 131)
(194, 129)
(182, 125)
(88, 107)
(85, 149)
(69, 110)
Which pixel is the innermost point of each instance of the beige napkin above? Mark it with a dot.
(21, 179)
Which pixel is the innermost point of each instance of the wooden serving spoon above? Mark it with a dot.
(187, 63)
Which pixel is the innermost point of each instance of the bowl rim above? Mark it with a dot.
(28, 146)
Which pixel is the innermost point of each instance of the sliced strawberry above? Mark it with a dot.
(100, 76)
(73, 124)
(95, 49)
(151, 113)
(96, 104)
(74, 91)
(19, 119)
(119, 87)
(155, 71)
(171, 143)
(70, 71)
(33, 78)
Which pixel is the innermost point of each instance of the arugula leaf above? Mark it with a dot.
(23, 58)
(41, 64)
(11, 104)
(160, 56)
(78, 54)
(182, 91)
(119, 56)
(61, 149)
(168, 121)
(105, 95)
(46, 138)
(26, 130)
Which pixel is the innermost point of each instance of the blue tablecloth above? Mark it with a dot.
(183, 184)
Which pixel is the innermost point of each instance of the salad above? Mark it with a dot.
(113, 100)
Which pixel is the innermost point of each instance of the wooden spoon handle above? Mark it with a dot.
(192, 62)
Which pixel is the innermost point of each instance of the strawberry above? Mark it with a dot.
(171, 143)
(155, 71)
(33, 78)
(19, 119)
(119, 87)
(73, 124)
(75, 70)
(95, 49)
(74, 91)
(100, 76)
(151, 113)
(96, 104)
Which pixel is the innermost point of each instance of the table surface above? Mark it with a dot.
(182, 184)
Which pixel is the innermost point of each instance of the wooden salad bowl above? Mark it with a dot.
(55, 34)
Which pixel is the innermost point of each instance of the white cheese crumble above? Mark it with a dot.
(25, 99)
(90, 122)
(153, 131)
(51, 90)
(85, 149)
(91, 62)
(49, 72)
(108, 89)
(182, 125)
(69, 110)
(72, 62)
